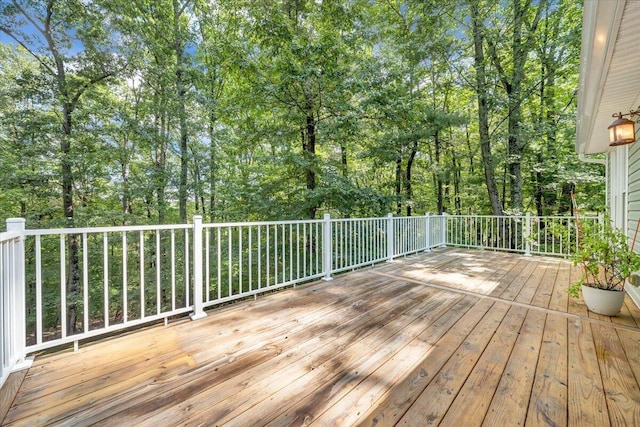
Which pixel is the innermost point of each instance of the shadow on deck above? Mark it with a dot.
(453, 337)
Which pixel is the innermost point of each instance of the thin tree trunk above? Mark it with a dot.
(182, 114)
(483, 109)
(309, 148)
(408, 184)
(398, 184)
(436, 174)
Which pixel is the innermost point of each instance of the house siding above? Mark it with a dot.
(633, 205)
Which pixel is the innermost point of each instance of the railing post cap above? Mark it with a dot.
(389, 215)
(327, 216)
(15, 224)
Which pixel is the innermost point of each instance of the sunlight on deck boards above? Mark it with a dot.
(454, 337)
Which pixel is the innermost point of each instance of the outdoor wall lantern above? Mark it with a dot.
(623, 131)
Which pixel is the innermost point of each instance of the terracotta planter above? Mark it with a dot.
(603, 301)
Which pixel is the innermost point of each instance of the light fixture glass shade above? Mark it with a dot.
(622, 131)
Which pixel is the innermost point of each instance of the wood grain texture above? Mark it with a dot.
(455, 337)
(9, 391)
(587, 406)
(621, 388)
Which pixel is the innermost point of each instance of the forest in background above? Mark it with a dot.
(134, 112)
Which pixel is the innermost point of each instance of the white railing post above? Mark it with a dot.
(198, 311)
(443, 229)
(390, 237)
(427, 219)
(527, 235)
(17, 293)
(327, 248)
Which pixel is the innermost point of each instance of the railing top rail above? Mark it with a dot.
(261, 223)
(8, 235)
(89, 230)
(522, 216)
(414, 217)
(378, 218)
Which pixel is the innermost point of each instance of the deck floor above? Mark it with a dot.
(453, 337)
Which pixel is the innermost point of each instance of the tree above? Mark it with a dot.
(70, 42)
(481, 89)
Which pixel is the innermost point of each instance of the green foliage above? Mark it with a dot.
(606, 258)
(386, 86)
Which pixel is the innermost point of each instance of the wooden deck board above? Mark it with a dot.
(510, 401)
(451, 337)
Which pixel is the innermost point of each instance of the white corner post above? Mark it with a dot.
(390, 237)
(327, 250)
(527, 235)
(198, 311)
(443, 229)
(427, 233)
(17, 299)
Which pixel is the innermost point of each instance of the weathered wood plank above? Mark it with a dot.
(634, 310)
(587, 406)
(392, 406)
(559, 297)
(285, 390)
(621, 388)
(548, 404)
(189, 393)
(631, 343)
(510, 292)
(513, 276)
(472, 401)
(8, 392)
(232, 322)
(340, 388)
(509, 404)
(225, 346)
(528, 291)
(544, 291)
(577, 305)
(624, 318)
(433, 403)
(347, 404)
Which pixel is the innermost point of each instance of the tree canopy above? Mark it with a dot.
(130, 112)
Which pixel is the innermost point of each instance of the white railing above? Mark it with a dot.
(528, 234)
(12, 301)
(84, 282)
(245, 259)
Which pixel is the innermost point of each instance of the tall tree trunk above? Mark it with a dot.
(515, 109)
(309, 149)
(213, 172)
(182, 113)
(456, 175)
(398, 184)
(512, 78)
(408, 184)
(470, 150)
(436, 174)
(73, 268)
(161, 164)
(343, 159)
(483, 109)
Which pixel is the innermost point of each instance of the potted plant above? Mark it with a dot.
(607, 262)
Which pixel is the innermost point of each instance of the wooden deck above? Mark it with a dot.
(453, 337)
